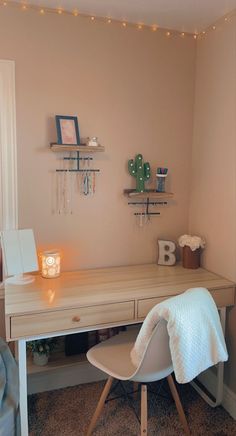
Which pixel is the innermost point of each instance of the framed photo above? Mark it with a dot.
(67, 130)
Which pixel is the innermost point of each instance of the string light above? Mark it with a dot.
(124, 24)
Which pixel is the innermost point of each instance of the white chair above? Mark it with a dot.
(113, 357)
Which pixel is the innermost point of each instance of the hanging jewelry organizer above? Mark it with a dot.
(146, 199)
(76, 174)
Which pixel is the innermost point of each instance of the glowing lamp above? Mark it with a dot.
(51, 264)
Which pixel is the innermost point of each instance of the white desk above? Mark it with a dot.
(92, 299)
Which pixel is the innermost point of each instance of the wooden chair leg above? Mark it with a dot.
(135, 389)
(100, 405)
(144, 410)
(178, 404)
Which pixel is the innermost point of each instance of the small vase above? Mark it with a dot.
(160, 187)
(191, 259)
(40, 359)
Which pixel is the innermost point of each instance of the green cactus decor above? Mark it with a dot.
(140, 171)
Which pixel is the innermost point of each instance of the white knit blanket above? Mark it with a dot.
(196, 337)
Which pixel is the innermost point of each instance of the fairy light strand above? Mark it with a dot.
(216, 26)
(154, 27)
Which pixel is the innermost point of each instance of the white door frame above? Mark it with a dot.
(8, 147)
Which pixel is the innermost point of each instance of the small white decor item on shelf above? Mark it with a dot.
(41, 350)
(93, 142)
(40, 359)
(166, 252)
(192, 246)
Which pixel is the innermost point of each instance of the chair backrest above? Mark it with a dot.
(156, 362)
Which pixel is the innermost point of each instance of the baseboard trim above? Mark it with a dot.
(208, 379)
(64, 377)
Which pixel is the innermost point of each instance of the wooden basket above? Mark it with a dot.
(191, 259)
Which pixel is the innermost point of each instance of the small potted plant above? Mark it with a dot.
(41, 350)
(192, 246)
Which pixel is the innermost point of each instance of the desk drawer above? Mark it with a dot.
(70, 319)
(224, 297)
(144, 306)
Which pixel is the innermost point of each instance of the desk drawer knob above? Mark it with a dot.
(76, 318)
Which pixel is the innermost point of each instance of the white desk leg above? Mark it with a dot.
(23, 387)
(220, 373)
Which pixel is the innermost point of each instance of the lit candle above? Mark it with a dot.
(51, 263)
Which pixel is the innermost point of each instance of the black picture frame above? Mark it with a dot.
(67, 130)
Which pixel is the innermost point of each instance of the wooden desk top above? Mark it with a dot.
(109, 285)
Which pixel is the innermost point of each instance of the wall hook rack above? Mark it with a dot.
(72, 178)
(147, 204)
(78, 169)
(147, 198)
(146, 214)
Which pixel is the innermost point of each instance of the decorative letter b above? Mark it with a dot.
(166, 251)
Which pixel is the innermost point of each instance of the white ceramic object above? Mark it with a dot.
(40, 359)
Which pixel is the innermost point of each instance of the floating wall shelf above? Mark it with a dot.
(68, 148)
(148, 194)
(65, 180)
(80, 148)
(148, 198)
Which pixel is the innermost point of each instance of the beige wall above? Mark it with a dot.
(213, 195)
(132, 89)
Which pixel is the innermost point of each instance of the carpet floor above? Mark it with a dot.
(67, 412)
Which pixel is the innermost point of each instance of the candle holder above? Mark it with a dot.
(51, 264)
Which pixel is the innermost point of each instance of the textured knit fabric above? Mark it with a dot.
(195, 334)
(9, 391)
